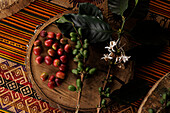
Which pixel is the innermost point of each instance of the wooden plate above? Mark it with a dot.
(152, 99)
(60, 95)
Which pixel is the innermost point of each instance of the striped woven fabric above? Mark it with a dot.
(160, 7)
(4, 111)
(153, 72)
(16, 30)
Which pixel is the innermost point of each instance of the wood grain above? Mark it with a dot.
(60, 95)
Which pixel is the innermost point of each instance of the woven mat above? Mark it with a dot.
(16, 93)
(159, 10)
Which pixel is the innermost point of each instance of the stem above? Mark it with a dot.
(108, 73)
(131, 12)
(79, 94)
(104, 86)
(122, 26)
(77, 34)
(120, 30)
(82, 74)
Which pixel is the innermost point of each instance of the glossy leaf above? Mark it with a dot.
(90, 10)
(93, 28)
(62, 20)
(118, 6)
(136, 2)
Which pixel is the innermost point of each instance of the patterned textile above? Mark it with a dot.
(152, 72)
(17, 30)
(159, 10)
(4, 111)
(16, 93)
(161, 7)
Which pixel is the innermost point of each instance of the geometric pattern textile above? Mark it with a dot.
(16, 92)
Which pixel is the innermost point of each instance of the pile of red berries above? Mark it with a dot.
(58, 48)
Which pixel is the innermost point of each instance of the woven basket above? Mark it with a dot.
(9, 7)
(73, 4)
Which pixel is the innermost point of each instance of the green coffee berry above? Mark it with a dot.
(85, 41)
(78, 56)
(79, 31)
(75, 71)
(100, 89)
(71, 88)
(108, 95)
(78, 42)
(75, 51)
(107, 90)
(85, 53)
(150, 110)
(80, 69)
(73, 39)
(87, 69)
(92, 71)
(78, 46)
(80, 65)
(85, 46)
(81, 51)
(78, 83)
(73, 34)
(164, 96)
(75, 59)
(103, 102)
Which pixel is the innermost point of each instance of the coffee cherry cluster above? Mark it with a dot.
(52, 81)
(58, 49)
(80, 53)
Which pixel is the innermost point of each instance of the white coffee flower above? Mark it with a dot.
(111, 46)
(125, 58)
(107, 57)
(121, 58)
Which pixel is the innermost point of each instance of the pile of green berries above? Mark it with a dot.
(81, 54)
(106, 92)
(165, 101)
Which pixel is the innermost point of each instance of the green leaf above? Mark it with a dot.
(90, 10)
(118, 6)
(136, 2)
(93, 28)
(65, 28)
(62, 20)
